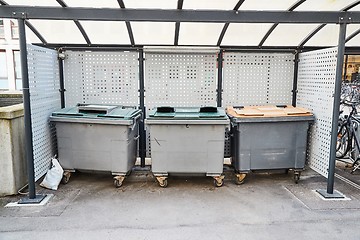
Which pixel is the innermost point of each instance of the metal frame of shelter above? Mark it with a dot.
(177, 16)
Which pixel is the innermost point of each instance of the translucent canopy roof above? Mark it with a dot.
(192, 33)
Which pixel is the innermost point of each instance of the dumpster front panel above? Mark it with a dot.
(185, 148)
(271, 145)
(95, 147)
(97, 138)
(269, 137)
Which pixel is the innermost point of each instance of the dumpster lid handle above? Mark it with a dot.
(165, 109)
(208, 110)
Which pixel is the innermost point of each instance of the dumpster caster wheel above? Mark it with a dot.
(163, 182)
(296, 177)
(240, 178)
(118, 181)
(66, 177)
(219, 181)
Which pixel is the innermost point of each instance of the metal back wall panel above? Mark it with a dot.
(316, 84)
(256, 79)
(44, 86)
(251, 78)
(101, 77)
(180, 80)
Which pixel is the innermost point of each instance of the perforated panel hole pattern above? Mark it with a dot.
(316, 83)
(44, 87)
(251, 78)
(101, 77)
(179, 79)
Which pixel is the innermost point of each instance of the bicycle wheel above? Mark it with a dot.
(355, 148)
(343, 143)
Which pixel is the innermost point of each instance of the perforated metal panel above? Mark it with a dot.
(257, 78)
(44, 98)
(316, 83)
(180, 80)
(101, 77)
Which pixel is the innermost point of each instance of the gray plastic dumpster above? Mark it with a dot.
(97, 138)
(268, 138)
(187, 141)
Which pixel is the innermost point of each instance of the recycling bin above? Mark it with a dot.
(97, 138)
(269, 138)
(187, 141)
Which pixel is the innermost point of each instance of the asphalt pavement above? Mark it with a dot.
(266, 206)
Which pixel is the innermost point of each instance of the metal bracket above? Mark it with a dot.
(22, 15)
(345, 20)
(61, 56)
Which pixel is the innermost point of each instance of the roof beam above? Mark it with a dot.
(272, 28)
(77, 23)
(354, 34)
(321, 26)
(222, 34)
(174, 15)
(36, 32)
(310, 35)
(177, 24)
(352, 5)
(128, 24)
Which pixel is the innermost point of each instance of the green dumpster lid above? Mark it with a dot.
(98, 111)
(187, 113)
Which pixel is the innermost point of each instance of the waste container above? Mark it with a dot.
(268, 137)
(187, 141)
(97, 138)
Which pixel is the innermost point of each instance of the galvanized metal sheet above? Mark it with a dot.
(180, 80)
(316, 84)
(101, 77)
(257, 78)
(251, 78)
(44, 87)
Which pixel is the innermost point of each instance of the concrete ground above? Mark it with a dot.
(266, 206)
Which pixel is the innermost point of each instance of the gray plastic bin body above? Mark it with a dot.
(270, 143)
(90, 139)
(187, 142)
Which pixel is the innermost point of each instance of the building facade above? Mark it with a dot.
(10, 70)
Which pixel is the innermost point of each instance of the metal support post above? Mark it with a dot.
(296, 69)
(142, 132)
(219, 85)
(32, 197)
(335, 118)
(61, 57)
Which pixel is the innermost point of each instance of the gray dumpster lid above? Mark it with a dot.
(188, 113)
(98, 111)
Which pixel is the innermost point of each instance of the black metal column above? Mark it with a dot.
(32, 197)
(220, 80)
(142, 132)
(296, 69)
(335, 117)
(61, 78)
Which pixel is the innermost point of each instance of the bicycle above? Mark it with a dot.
(348, 145)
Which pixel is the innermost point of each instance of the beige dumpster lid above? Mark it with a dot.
(268, 111)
